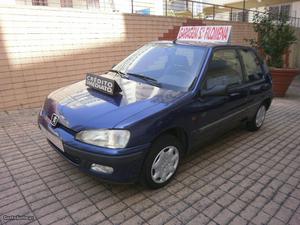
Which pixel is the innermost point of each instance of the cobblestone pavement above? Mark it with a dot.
(242, 178)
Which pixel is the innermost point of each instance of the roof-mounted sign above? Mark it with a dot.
(102, 84)
(205, 33)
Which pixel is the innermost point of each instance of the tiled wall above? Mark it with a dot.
(44, 48)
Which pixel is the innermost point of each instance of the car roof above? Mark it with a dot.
(201, 44)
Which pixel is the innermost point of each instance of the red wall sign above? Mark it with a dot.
(205, 33)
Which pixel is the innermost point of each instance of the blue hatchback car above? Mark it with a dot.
(137, 121)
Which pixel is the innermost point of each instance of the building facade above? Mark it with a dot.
(288, 7)
(204, 8)
(125, 6)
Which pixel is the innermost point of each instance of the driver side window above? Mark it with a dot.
(224, 69)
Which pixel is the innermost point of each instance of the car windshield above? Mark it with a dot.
(171, 65)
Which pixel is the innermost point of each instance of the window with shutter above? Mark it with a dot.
(66, 3)
(39, 2)
(93, 3)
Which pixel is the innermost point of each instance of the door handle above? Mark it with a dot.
(235, 91)
(233, 94)
(255, 89)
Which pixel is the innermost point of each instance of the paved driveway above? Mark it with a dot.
(242, 178)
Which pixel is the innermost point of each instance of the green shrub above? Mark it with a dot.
(274, 36)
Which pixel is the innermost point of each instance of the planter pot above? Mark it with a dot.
(282, 79)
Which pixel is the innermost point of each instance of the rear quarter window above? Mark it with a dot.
(253, 69)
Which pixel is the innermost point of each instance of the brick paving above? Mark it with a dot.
(242, 178)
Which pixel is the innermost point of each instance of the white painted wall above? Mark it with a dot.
(7, 2)
(296, 9)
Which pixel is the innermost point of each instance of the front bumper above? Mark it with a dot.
(127, 163)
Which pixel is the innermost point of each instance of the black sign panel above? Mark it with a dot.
(102, 84)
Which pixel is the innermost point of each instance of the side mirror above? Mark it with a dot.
(219, 90)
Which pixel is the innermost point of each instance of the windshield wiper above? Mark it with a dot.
(140, 76)
(145, 78)
(119, 72)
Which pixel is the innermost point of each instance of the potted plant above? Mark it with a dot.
(274, 37)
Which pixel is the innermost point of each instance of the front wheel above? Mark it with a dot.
(162, 162)
(259, 118)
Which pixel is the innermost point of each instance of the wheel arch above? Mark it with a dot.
(267, 102)
(177, 132)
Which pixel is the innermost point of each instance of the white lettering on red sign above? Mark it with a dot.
(205, 33)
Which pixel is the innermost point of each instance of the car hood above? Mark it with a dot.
(80, 107)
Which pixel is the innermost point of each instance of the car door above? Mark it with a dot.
(217, 113)
(256, 79)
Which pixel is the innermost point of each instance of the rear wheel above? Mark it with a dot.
(259, 118)
(162, 162)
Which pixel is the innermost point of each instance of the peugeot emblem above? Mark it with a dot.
(54, 119)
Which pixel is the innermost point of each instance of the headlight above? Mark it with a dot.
(105, 138)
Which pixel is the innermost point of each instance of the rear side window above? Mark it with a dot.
(224, 69)
(252, 64)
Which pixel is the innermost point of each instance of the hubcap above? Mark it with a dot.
(260, 116)
(165, 164)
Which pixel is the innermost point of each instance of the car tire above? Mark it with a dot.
(162, 162)
(258, 119)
